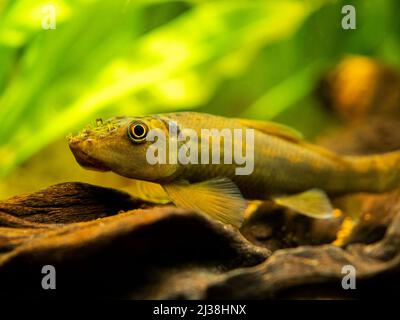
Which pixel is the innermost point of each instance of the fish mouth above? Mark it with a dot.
(87, 161)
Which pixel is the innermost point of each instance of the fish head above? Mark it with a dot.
(120, 145)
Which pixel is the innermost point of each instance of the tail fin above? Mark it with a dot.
(376, 173)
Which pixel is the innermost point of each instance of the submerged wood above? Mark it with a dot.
(105, 243)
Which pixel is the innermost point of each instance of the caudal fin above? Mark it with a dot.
(376, 173)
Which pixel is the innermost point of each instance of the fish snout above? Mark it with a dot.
(77, 147)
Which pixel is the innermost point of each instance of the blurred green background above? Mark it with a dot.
(256, 59)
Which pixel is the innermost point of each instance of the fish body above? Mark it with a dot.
(284, 165)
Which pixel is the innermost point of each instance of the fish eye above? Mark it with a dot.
(137, 131)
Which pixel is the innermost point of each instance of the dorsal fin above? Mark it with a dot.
(289, 134)
(272, 128)
(324, 152)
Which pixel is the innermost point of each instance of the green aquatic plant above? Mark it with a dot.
(251, 58)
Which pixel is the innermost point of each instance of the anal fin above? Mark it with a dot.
(312, 203)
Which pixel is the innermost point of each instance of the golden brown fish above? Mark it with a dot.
(279, 163)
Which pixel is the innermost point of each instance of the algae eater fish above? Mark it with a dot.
(286, 168)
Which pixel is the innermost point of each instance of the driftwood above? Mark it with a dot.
(107, 256)
(119, 246)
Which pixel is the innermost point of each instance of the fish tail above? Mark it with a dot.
(376, 173)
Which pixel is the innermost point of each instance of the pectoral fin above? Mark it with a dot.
(312, 203)
(218, 198)
(148, 191)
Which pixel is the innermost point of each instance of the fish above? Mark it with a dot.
(287, 169)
